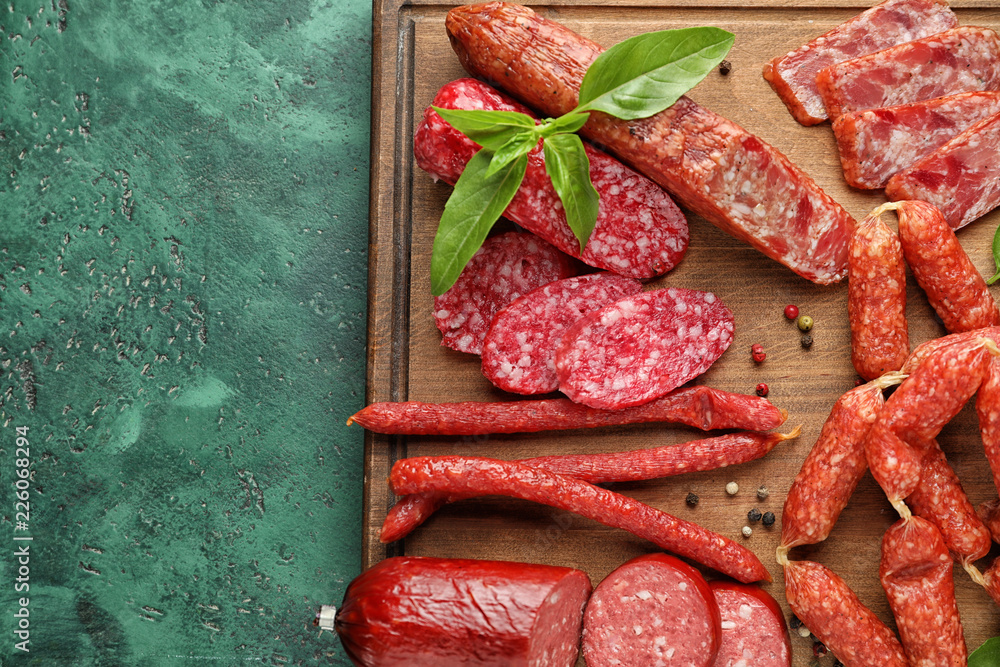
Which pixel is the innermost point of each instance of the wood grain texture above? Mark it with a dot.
(406, 362)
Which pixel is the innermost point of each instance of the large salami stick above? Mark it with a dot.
(941, 267)
(713, 166)
(915, 572)
(481, 476)
(695, 456)
(876, 298)
(833, 467)
(441, 612)
(831, 610)
(793, 75)
(700, 407)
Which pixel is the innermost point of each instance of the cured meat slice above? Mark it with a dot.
(793, 75)
(506, 267)
(877, 143)
(466, 476)
(641, 347)
(699, 407)
(940, 499)
(753, 627)
(915, 572)
(639, 233)
(831, 610)
(431, 612)
(876, 299)
(961, 178)
(653, 610)
(697, 455)
(955, 61)
(520, 348)
(711, 165)
(954, 287)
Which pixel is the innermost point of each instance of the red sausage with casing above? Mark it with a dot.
(711, 165)
(431, 612)
(915, 572)
(876, 299)
(942, 268)
(654, 609)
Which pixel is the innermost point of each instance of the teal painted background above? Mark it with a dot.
(183, 235)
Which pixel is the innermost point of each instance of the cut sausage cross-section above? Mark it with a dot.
(642, 347)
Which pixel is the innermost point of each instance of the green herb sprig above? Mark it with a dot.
(987, 655)
(996, 257)
(634, 79)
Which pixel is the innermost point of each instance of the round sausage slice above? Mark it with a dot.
(653, 610)
(520, 348)
(754, 633)
(437, 612)
(642, 346)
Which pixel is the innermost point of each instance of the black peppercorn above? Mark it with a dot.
(768, 519)
(725, 67)
(807, 341)
(794, 623)
(754, 514)
(692, 499)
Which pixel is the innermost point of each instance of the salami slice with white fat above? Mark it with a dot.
(639, 232)
(793, 75)
(642, 346)
(520, 348)
(653, 610)
(955, 61)
(877, 143)
(961, 178)
(506, 267)
(754, 633)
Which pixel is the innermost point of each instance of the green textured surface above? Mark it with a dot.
(183, 229)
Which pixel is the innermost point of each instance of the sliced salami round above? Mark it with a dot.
(507, 266)
(642, 346)
(754, 633)
(653, 610)
(520, 348)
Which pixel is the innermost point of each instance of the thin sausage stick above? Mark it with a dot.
(695, 456)
(471, 475)
(699, 407)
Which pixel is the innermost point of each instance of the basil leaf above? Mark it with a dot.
(996, 257)
(647, 73)
(570, 122)
(473, 207)
(987, 655)
(518, 145)
(567, 165)
(489, 129)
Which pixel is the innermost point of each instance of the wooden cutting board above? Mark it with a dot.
(406, 361)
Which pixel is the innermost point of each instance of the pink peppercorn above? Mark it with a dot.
(762, 390)
(791, 312)
(757, 352)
